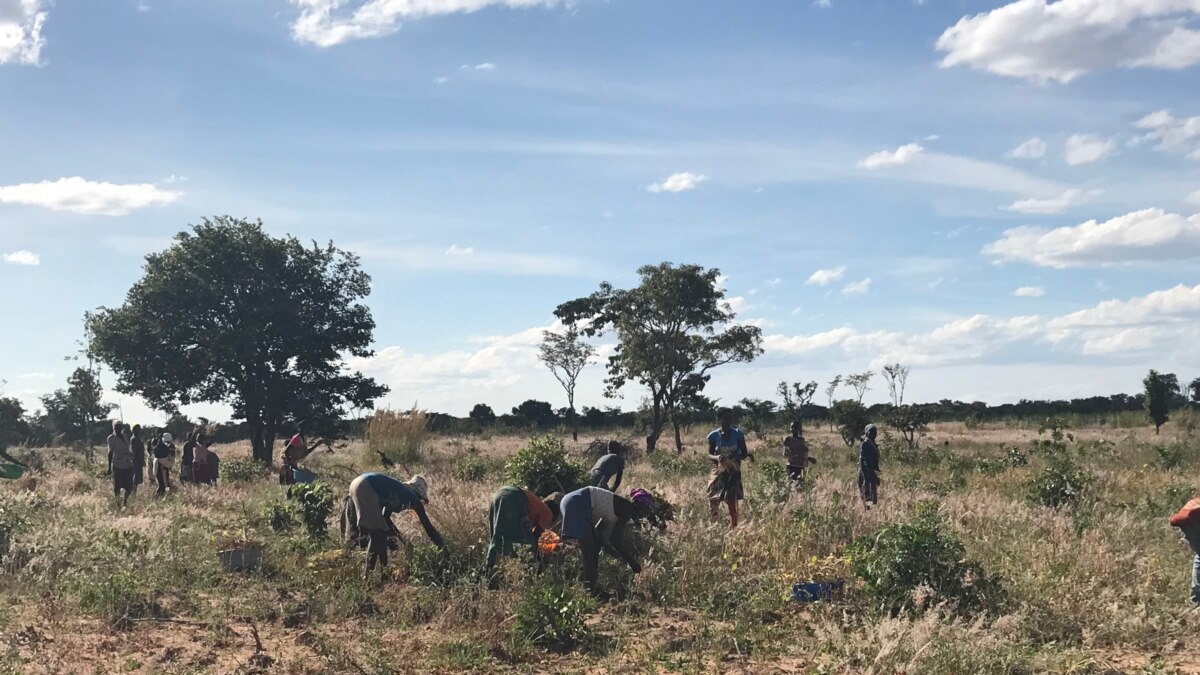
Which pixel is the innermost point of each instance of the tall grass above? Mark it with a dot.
(398, 435)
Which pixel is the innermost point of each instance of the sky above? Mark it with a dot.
(1003, 195)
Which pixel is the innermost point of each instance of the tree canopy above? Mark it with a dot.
(1161, 390)
(672, 330)
(231, 314)
(566, 356)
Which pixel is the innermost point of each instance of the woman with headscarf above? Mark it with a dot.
(517, 518)
(368, 509)
(164, 460)
(596, 518)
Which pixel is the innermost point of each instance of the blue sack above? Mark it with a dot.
(302, 476)
(816, 591)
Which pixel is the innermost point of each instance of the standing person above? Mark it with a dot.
(868, 468)
(373, 499)
(294, 451)
(726, 449)
(596, 518)
(517, 518)
(795, 451)
(189, 458)
(608, 466)
(138, 447)
(164, 461)
(1187, 519)
(200, 460)
(120, 461)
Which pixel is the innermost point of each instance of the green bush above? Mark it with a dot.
(1061, 482)
(280, 517)
(242, 470)
(469, 467)
(771, 485)
(544, 467)
(851, 418)
(913, 566)
(117, 597)
(673, 463)
(14, 519)
(315, 501)
(553, 615)
(1169, 457)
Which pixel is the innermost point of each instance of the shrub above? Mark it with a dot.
(676, 464)
(851, 418)
(14, 519)
(280, 517)
(1061, 482)
(543, 466)
(916, 565)
(553, 615)
(398, 435)
(1169, 457)
(469, 467)
(771, 485)
(242, 470)
(117, 597)
(316, 504)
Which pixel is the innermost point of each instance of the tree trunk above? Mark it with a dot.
(656, 423)
(260, 447)
(678, 439)
(574, 418)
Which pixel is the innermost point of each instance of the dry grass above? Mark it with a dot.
(398, 435)
(1098, 588)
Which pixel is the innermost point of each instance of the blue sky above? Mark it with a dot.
(1017, 181)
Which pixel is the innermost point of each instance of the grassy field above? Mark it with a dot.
(1098, 585)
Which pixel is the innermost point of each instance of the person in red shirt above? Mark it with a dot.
(1187, 520)
(517, 518)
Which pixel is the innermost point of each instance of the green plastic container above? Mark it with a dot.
(11, 471)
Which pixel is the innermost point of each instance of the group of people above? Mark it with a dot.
(129, 457)
(594, 516)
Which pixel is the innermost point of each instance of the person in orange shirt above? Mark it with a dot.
(1187, 520)
(517, 517)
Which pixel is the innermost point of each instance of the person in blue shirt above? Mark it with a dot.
(868, 467)
(726, 449)
(367, 514)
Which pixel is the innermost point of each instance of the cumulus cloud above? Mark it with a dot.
(890, 158)
(1172, 134)
(1057, 204)
(77, 195)
(857, 287)
(1029, 292)
(826, 277)
(21, 24)
(470, 260)
(1194, 198)
(678, 182)
(1034, 148)
(1159, 323)
(1086, 148)
(1059, 41)
(1140, 236)
(22, 258)
(478, 66)
(326, 23)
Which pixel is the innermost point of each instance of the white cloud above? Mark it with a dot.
(22, 258)
(823, 4)
(773, 283)
(441, 80)
(1059, 41)
(469, 260)
(21, 23)
(857, 287)
(1147, 235)
(87, 197)
(678, 182)
(826, 277)
(1029, 292)
(1058, 204)
(1034, 148)
(1194, 198)
(889, 158)
(1172, 134)
(1086, 148)
(478, 66)
(326, 23)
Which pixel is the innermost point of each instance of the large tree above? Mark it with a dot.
(566, 355)
(1161, 390)
(231, 314)
(672, 330)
